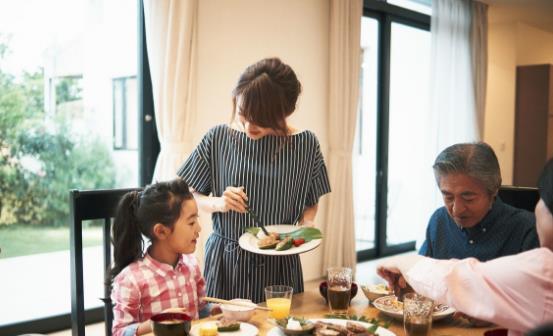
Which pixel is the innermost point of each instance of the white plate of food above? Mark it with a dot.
(246, 329)
(337, 323)
(251, 242)
(390, 306)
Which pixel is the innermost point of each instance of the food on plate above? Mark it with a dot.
(295, 325)
(284, 244)
(225, 325)
(267, 242)
(208, 329)
(285, 241)
(373, 292)
(332, 329)
(391, 303)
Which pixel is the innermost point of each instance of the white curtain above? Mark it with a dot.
(458, 75)
(171, 39)
(345, 62)
(479, 47)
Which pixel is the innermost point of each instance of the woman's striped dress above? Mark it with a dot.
(281, 179)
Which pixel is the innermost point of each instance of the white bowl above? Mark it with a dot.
(238, 313)
(373, 292)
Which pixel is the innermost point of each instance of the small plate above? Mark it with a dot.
(276, 331)
(246, 329)
(391, 307)
(248, 242)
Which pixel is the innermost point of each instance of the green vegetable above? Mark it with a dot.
(307, 233)
(229, 327)
(253, 230)
(284, 244)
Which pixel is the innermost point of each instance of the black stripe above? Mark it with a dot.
(280, 180)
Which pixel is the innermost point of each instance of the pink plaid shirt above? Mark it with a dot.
(147, 287)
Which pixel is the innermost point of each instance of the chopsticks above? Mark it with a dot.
(257, 221)
(242, 304)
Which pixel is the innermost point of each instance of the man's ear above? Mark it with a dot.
(160, 231)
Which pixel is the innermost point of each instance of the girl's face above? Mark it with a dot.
(187, 229)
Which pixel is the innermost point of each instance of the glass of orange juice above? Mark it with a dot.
(279, 300)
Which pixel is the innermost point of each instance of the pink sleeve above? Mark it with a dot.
(514, 292)
(200, 289)
(126, 300)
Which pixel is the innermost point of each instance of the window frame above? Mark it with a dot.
(386, 14)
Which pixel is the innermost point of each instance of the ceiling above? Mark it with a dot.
(538, 13)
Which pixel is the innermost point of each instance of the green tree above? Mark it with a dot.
(40, 160)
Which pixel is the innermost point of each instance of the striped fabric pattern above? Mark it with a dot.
(147, 287)
(281, 179)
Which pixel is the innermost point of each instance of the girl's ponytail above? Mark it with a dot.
(126, 235)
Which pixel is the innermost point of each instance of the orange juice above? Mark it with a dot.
(280, 307)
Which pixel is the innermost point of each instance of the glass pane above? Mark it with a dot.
(364, 148)
(409, 103)
(57, 62)
(421, 6)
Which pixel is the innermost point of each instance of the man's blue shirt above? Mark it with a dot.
(505, 230)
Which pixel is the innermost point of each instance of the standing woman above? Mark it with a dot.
(260, 161)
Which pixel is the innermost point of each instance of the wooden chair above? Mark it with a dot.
(520, 197)
(90, 205)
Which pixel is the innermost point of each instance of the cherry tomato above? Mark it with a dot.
(298, 241)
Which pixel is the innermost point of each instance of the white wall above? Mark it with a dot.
(235, 34)
(510, 44)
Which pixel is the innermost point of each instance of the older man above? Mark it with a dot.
(514, 292)
(474, 222)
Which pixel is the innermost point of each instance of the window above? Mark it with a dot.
(395, 45)
(124, 114)
(58, 62)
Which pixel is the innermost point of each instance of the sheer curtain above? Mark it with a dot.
(458, 82)
(459, 58)
(345, 62)
(171, 39)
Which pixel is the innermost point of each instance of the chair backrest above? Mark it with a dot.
(520, 197)
(90, 205)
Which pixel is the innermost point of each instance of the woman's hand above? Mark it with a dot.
(234, 198)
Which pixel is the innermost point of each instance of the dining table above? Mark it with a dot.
(311, 305)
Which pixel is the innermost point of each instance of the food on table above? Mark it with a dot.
(208, 329)
(295, 325)
(391, 303)
(331, 329)
(225, 325)
(373, 292)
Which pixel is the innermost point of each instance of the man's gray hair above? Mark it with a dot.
(476, 160)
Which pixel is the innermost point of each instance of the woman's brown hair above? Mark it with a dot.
(268, 91)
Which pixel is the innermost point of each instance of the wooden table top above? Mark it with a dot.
(312, 305)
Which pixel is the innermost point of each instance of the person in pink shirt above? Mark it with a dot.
(165, 278)
(514, 292)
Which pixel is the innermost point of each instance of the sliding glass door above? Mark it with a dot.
(395, 70)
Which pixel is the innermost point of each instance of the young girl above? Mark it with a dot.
(167, 276)
(262, 162)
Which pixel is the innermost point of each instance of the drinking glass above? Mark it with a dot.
(417, 314)
(279, 300)
(339, 289)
